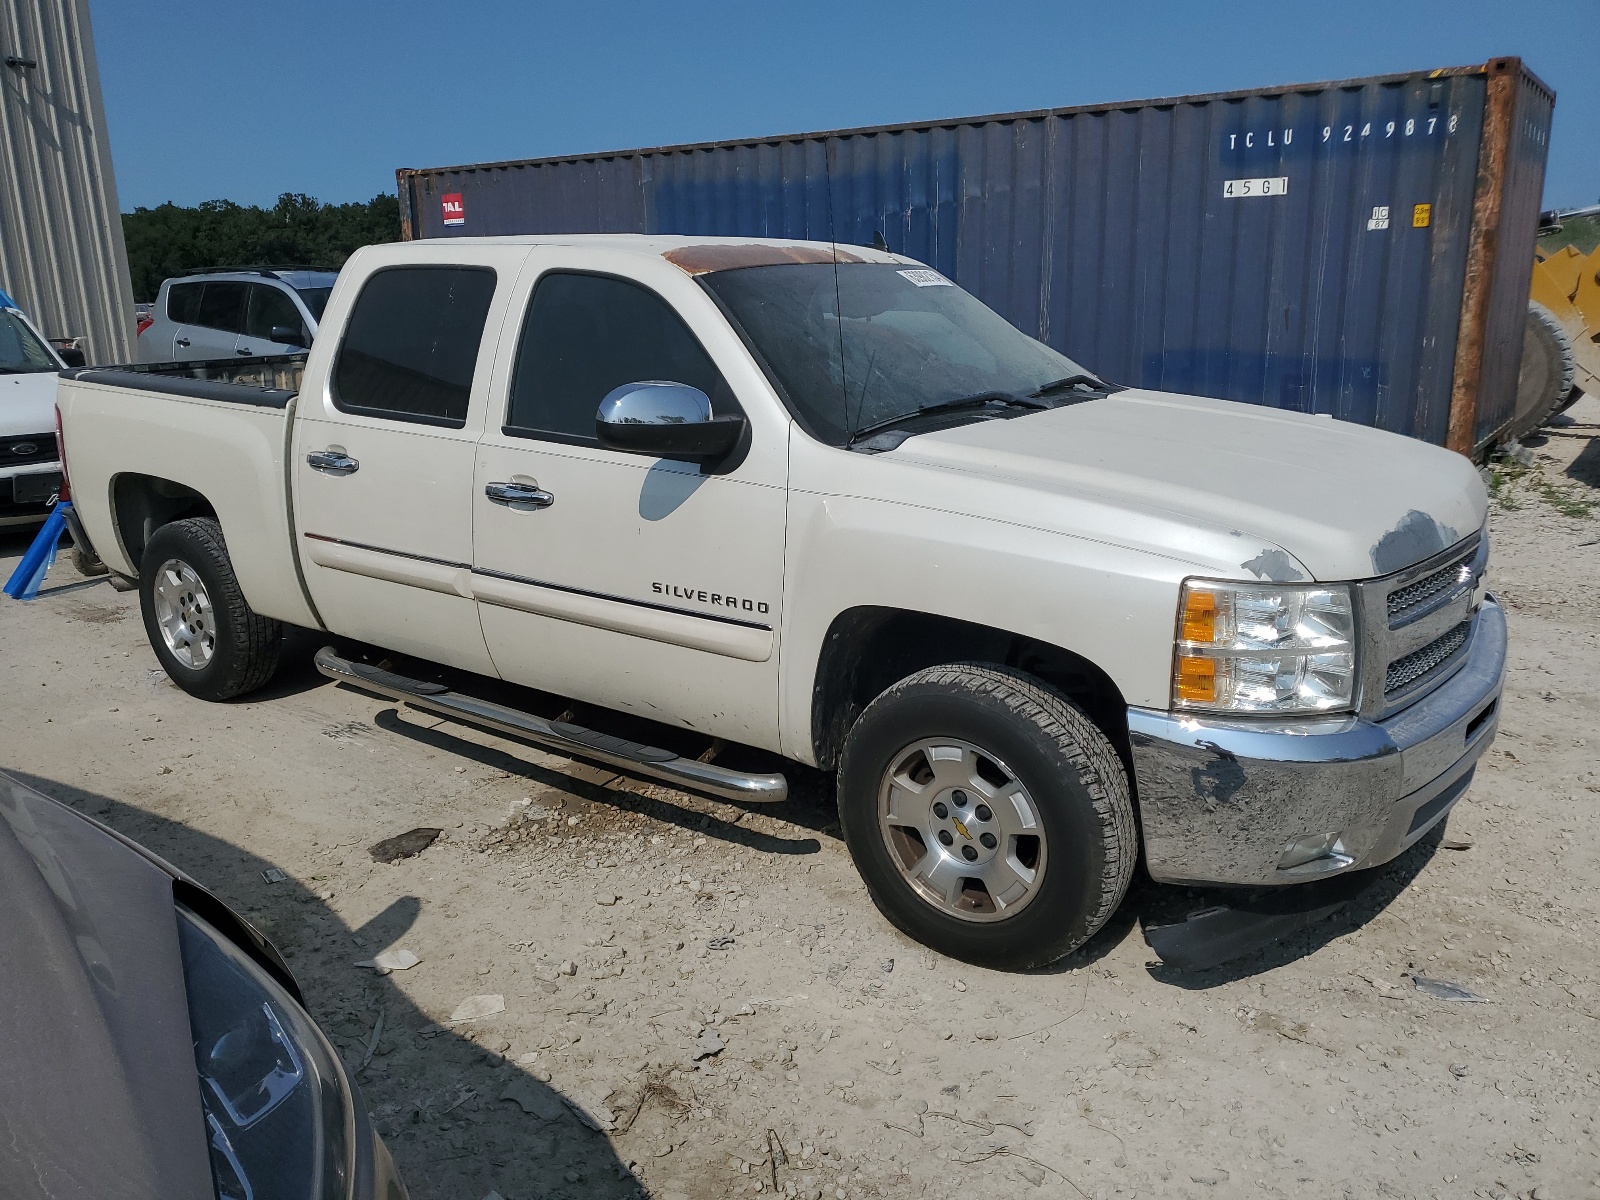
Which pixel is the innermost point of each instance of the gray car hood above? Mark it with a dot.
(1344, 501)
(99, 1097)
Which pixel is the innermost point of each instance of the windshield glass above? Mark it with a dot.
(20, 348)
(908, 338)
(316, 299)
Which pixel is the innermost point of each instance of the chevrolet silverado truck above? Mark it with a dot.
(819, 500)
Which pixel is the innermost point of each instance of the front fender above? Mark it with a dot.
(1108, 604)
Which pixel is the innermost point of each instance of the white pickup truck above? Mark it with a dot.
(819, 500)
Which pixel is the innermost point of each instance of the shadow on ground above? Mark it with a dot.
(1298, 925)
(435, 1093)
(1586, 467)
(1290, 923)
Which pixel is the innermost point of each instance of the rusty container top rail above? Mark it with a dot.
(1360, 248)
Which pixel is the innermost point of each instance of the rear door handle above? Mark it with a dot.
(332, 462)
(245, 351)
(519, 495)
(181, 342)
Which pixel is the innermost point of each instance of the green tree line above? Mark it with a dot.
(168, 239)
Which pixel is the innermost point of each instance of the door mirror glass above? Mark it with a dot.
(72, 356)
(665, 420)
(288, 335)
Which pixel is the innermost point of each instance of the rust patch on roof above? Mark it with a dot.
(701, 260)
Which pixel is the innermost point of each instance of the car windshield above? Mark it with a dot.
(316, 299)
(21, 350)
(909, 340)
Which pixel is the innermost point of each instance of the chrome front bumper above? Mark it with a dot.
(1220, 801)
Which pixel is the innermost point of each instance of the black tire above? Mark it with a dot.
(1069, 769)
(1545, 379)
(87, 563)
(246, 648)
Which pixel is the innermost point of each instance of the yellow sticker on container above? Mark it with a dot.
(1422, 216)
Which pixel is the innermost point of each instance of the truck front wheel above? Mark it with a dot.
(203, 632)
(989, 817)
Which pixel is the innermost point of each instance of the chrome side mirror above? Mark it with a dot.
(665, 420)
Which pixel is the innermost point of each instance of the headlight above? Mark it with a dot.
(277, 1117)
(1264, 648)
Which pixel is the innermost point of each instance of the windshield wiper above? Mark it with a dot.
(977, 400)
(1073, 381)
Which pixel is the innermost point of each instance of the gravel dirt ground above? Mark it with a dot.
(700, 1001)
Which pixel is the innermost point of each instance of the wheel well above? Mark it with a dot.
(869, 649)
(141, 504)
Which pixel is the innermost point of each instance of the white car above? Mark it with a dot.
(30, 466)
(821, 501)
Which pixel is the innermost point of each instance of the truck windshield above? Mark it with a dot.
(909, 340)
(21, 351)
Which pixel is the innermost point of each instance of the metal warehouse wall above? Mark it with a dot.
(1381, 276)
(61, 251)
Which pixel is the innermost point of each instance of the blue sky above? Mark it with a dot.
(222, 99)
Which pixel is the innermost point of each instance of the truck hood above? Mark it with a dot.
(1330, 500)
(27, 403)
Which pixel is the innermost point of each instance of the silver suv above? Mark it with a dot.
(242, 312)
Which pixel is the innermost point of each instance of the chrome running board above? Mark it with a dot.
(574, 741)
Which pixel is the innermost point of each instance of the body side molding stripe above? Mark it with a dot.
(393, 566)
(711, 632)
(576, 591)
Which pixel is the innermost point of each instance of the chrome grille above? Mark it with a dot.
(27, 448)
(1402, 600)
(1405, 671)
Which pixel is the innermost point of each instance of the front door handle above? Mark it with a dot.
(519, 495)
(182, 342)
(332, 462)
(245, 351)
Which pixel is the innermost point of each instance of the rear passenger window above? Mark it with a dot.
(411, 343)
(183, 302)
(222, 307)
(587, 334)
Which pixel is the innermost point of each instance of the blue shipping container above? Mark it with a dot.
(1360, 248)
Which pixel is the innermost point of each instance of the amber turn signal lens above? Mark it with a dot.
(1197, 678)
(1199, 616)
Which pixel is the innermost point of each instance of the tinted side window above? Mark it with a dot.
(587, 334)
(268, 307)
(183, 302)
(221, 307)
(411, 344)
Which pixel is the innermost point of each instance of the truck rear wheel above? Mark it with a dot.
(203, 632)
(989, 817)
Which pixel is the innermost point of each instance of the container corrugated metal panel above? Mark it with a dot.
(61, 250)
(1119, 234)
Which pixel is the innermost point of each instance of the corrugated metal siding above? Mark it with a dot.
(61, 251)
(1105, 230)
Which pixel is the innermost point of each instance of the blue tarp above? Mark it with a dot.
(25, 580)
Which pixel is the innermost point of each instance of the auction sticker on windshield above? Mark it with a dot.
(925, 278)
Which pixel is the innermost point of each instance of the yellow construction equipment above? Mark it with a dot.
(1562, 363)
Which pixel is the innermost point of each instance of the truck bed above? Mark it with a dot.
(146, 442)
(268, 382)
